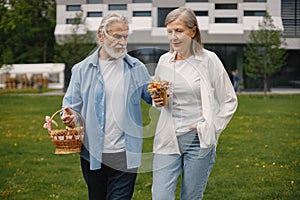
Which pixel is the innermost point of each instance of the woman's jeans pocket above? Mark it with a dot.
(205, 151)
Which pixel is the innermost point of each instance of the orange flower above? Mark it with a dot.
(157, 86)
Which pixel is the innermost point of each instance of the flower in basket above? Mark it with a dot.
(47, 125)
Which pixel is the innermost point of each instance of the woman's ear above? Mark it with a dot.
(194, 31)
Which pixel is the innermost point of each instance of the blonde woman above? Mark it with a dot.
(202, 101)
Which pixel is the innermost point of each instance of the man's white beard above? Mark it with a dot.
(112, 51)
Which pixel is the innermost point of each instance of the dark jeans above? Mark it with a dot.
(113, 181)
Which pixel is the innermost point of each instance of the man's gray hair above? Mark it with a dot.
(109, 19)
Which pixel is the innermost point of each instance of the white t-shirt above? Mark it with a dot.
(113, 75)
(186, 105)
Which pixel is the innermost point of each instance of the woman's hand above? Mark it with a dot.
(191, 128)
(68, 117)
(158, 101)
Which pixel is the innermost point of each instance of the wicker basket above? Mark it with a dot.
(67, 140)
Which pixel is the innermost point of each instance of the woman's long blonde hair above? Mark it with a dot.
(188, 16)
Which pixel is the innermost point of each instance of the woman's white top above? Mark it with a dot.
(186, 105)
(217, 97)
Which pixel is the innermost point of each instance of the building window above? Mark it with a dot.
(117, 7)
(142, 1)
(93, 1)
(291, 17)
(148, 55)
(226, 20)
(229, 6)
(200, 13)
(73, 7)
(73, 21)
(161, 16)
(246, 1)
(254, 13)
(142, 13)
(94, 14)
(196, 0)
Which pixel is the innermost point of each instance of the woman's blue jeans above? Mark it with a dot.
(195, 164)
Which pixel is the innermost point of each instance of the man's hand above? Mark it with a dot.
(68, 117)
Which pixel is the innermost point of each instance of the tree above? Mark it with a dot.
(75, 47)
(27, 35)
(265, 53)
(26, 31)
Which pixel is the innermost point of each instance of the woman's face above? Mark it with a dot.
(180, 36)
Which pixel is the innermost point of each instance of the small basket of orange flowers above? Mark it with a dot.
(160, 88)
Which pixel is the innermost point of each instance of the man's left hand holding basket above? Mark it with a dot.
(68, 117)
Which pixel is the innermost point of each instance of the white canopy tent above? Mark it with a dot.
(54, 72)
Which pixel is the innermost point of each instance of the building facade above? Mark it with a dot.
(224, 24)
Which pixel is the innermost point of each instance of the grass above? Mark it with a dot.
(257, 155)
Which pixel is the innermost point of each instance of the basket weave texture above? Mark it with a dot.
(67, 140)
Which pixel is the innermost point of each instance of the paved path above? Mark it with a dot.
(285, 90)
(273, 91)
(52, 93)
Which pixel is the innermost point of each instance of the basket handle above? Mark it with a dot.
(60, 110)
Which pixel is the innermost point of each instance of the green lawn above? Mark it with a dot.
(257, 156)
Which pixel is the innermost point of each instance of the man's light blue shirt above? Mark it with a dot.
(86, 95)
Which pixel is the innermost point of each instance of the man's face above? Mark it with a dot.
(115, 40)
